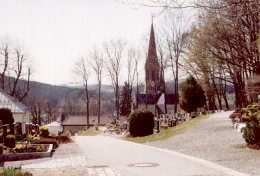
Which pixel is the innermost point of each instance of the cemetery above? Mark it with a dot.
(32, 142)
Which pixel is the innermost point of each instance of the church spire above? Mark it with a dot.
(152, 46)
(152, 67)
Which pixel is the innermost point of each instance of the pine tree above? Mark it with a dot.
(192, 95)
(125, 100)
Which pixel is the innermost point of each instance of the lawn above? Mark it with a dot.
(169, 132)
(92, 131)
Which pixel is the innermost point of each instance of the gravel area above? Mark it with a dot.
(217, 141)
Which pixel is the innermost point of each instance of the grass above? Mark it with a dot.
(92, 131)
(10, 171)
(169, 132)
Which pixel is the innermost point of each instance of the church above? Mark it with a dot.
(154, 97)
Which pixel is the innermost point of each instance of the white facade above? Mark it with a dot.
(20, 111)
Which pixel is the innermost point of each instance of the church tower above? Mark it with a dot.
(152, 67)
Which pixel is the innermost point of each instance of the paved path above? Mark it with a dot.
(215, 140)
(129, 159)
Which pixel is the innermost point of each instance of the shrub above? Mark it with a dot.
(46, 141)
(141, 123)
(10, 141)
(44, 131)
(20, 148)
(6, 116)
(11, 171)
(63, 139)
(251, 133)
(41, 148)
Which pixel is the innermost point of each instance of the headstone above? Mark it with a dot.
(4, 132)
(18, 128)
(11, 127)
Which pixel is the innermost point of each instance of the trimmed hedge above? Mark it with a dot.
(141, 123)
(10, 141)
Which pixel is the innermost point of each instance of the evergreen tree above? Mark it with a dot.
(6, 116)
(125, 100)
(192, 95)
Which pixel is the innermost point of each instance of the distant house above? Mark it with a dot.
(19, 110)
(74, 124)
(54, 127)
(78, 123)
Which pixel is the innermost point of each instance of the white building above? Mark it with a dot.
(19, 110)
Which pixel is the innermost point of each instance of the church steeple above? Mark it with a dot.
(152, 67)
(152, 46)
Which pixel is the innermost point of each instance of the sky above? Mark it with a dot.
(55, 33)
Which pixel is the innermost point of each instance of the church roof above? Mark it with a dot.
(153, 99)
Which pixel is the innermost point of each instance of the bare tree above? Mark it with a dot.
(71, 103)
(36, 108)
(83, 71)
(97, 63)
(114, 52)
(15, 69)
(176, 35)
(4, 56)
(132, 67)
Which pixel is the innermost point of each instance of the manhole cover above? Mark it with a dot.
(143, 165)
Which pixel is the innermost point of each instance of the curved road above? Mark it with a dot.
(124, 158)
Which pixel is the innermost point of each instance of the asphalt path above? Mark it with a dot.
(131, 159)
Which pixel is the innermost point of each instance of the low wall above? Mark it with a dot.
(25, 156)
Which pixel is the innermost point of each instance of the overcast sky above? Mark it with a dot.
(55, 33)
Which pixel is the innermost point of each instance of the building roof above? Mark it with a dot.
(7, 101)
(82, 120)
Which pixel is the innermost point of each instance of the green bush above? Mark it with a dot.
(251, 133)
(141, 123)
(44, 131)
(46, 141)
(11, 171)
(6, 116)
(10, 141)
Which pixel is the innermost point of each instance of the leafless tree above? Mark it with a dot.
(97, 63)
(15, 68)
(176, 35)
(83, 71)
(36, 108)
(114, 53)
(4, 61)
